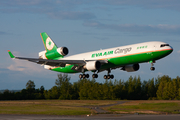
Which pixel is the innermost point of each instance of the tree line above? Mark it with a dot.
(161, 88)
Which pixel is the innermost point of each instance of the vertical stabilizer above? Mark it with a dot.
(48, 43)
(52, 51)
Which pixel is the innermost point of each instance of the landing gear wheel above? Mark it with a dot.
(108, 76)
(105, 76)
(95, 75)
(80, 76)
(152, 68)
(87, 75)
(112, 76)
(84, 76)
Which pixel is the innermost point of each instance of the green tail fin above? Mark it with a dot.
(48, 43)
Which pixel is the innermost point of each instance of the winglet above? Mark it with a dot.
(10, 54)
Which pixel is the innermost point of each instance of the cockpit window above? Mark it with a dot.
(163, 45)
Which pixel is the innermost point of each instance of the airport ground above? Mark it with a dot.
(95, 117)
(89, 109)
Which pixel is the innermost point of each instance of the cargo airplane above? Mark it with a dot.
(126, 58)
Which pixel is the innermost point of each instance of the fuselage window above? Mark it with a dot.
(163, 45)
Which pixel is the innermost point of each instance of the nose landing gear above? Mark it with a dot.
(152, 68)
(152, 64)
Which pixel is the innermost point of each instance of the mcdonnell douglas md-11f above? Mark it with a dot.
(125, 57)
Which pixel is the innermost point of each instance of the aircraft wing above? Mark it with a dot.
(56, 63)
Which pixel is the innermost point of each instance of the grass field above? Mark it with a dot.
(50, 107)
(78, 107)
(148, 107)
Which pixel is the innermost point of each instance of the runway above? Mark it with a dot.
(94, 117)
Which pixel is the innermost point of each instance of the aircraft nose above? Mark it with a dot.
(171, 48)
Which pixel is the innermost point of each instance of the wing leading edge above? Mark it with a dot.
(55, 63)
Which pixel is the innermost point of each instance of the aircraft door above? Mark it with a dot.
(154, 49)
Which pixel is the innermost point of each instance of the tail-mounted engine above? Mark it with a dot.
(92, 65)
(131, 68)
(63, 51)
(60, 52)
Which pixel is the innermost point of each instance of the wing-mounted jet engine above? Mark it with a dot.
(92, 65)
(131, 68)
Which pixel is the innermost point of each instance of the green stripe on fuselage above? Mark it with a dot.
(123, 60)
(139, 58)
(66, 69)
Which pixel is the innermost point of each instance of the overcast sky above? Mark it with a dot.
(82, 26)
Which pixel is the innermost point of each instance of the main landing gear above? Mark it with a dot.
(83, 76)
(152, 64)
(87, 76)
(95, 76)
(108, 76)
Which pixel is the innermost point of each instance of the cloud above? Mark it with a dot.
(161, 28)
(57, 9)
(3, 33)
(178, 51)
(25, 67)
(159, 74)
(17, 79)
(148, 4)
(71, 4)
(20, 2)
(68, 15)
(4, 70)
(76, 9)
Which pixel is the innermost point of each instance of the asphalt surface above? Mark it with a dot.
(99, 109)
(95, 117)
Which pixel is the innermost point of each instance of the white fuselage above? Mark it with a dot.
(119, 51)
